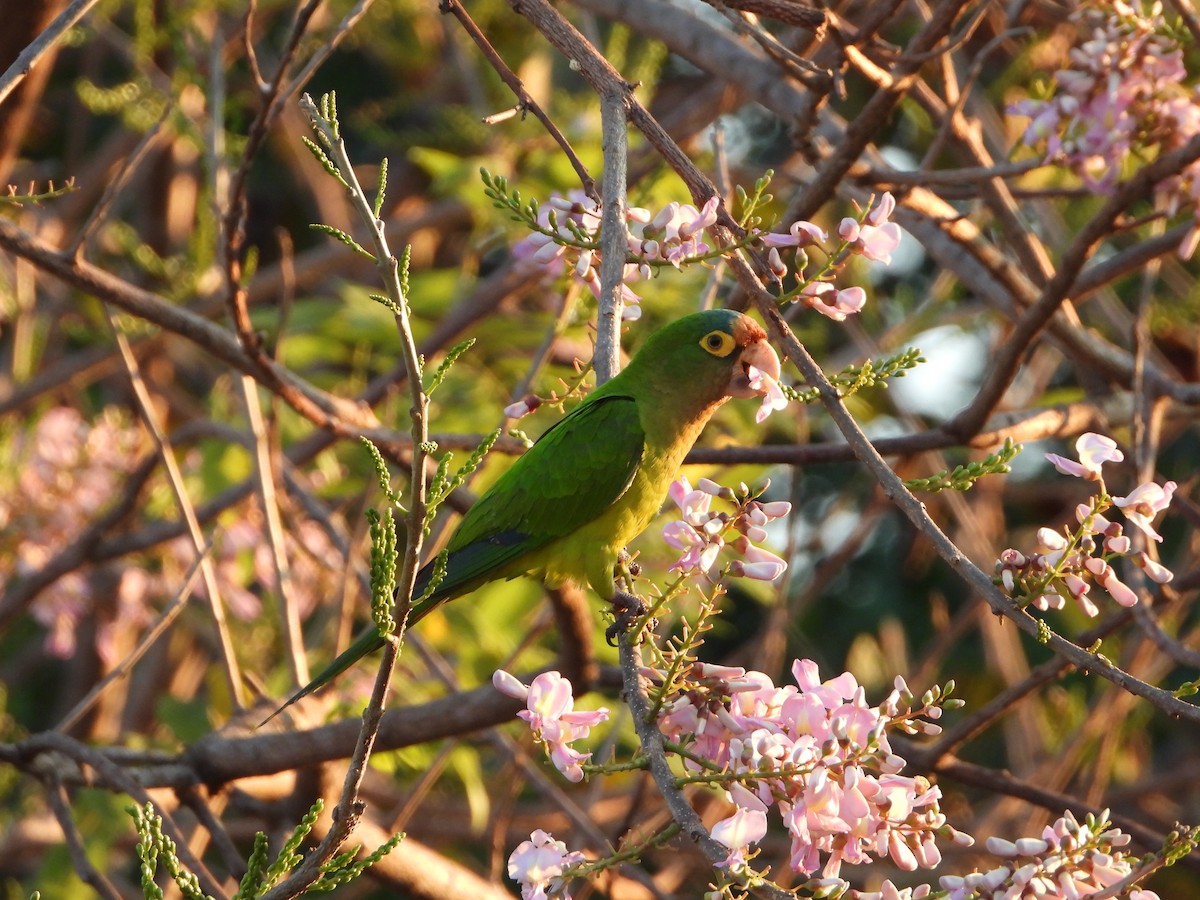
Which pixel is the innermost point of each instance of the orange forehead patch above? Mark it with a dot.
(746, 331)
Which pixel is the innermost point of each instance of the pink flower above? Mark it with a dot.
(776, 264)
(833, 303)
(761, 565)
(696, 220)
(538, 865)
(552, 717)
(878, 237)
(1155, 571)
(522, 407)
(1094, 451)
(738, 832)
(848, 230)
(702, 532)
(773, 396)
(1143, 503)
(1107, 578)
(820, 754)
(800, 234)
(700, 551)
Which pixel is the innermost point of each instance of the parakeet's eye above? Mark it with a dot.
(718, 343)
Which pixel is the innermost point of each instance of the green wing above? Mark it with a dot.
(575, 471)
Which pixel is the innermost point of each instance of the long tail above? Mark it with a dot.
(367, 642)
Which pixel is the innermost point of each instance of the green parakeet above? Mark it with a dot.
(568, 506)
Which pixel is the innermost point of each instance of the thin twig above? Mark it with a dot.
(187, 510)
(60, 804)
(264, 470)
(29, 57)
(349, 808)
(526, 103)
(169, 614)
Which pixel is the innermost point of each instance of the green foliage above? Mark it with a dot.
(405, 265)
(443, 482)
(323, 158)
(344, 868)
(381, 470)
(749, 203)
(451, 358)
(253, 882)
(154, 847)
(437, 575)
(338, 234)
(1180, 843)
(289, 854)
(963, 478)
(341, 869)
(381, 187)
(383, 568)
(526, 212)
(869, 373)
(1187, 689)
(137, 103)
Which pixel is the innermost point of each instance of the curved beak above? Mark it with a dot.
(761, 356)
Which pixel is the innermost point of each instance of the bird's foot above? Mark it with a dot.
(627, 609)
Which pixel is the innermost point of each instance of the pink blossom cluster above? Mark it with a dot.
(870, 235)
(538, 866)
(1123, 95)
(1070, 860)
(1070, 562)
(702, 532)
(569, 229)
(552, 717)
(820, 755)
(71, 470)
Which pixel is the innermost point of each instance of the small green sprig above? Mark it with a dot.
(405, 266)
(383, 568)
(439, 374)
(251, 884)
(870, 373)
(497, 189)
(322, 157)
(679, 652)
(381, 471)
(508, 198)
(436, 576)
(396, 308)
(339, 235)
(35, 197)
(1179, 843)
(289, 854)
(630, 851)
(344, 867)
(1187, 689)
(153, 847)
(749, 203)
(963, 478)
(443, 483)
(328, 109)
(381, 188)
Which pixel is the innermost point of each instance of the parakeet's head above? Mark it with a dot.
(707, 357)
